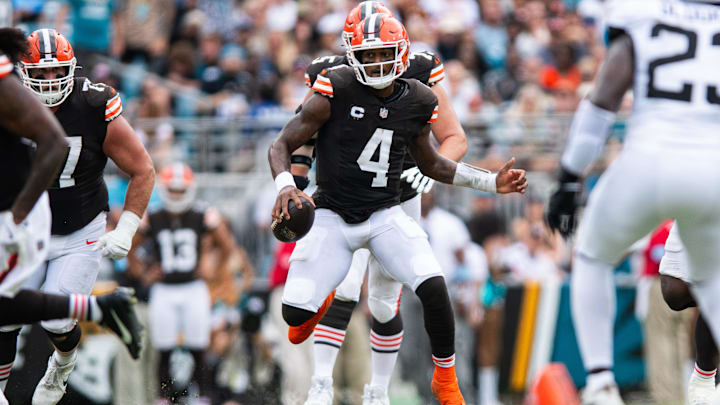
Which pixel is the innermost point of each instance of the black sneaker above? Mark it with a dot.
(119, 316)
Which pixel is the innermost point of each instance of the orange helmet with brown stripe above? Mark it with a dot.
(177, 187)
(359, 13)
(49, 49)
(380, 33)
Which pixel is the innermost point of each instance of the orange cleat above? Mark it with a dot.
(299, 334)
(445, 386)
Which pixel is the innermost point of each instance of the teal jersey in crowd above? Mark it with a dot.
(92, 23)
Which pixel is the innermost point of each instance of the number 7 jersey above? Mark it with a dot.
(360, 150)
(79, 192)
(677, 80)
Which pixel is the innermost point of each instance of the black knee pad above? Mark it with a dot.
(433, 293)
(68, 341)
(338, 315)
(390, 328)
(676, 293)
(295, 316)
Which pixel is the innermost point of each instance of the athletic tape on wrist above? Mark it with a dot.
(283, 180)
(475, 177)
(129, 221)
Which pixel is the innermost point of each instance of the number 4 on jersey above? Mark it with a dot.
(382, 138)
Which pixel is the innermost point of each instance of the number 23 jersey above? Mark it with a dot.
(79, 192)
(360, 149)
(677, 82)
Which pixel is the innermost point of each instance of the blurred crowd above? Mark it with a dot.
(504, 59)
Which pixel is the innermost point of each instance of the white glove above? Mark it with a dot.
(15, 239)
(420, 182)
(116, 243)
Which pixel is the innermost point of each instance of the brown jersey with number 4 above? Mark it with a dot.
(361, 148)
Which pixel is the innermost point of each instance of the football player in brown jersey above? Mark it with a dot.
(90, 115)
(386, 335)
(180, 300)
(25, 216)
(367, 117)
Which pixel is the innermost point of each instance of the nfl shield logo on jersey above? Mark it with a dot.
(383, 112)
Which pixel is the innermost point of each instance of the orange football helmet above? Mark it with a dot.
(49, 49)
(376, 32)
(177, 187)
(359, 13)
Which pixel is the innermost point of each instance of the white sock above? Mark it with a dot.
(488, 386)
(326, 348)
(384, 356)
(84, 308)
(702, 374)
(5, 370)
(596, 381)
(593, 311)
(445, 362)
(63, 359)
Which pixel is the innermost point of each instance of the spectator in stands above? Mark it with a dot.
(181, 65)
(293, 88)
(463, 90)
(528, 258)
(97, 29)
(155, 102)
(491, 37)
(228, 83)
(563, 71)
(487, 229)
(147, 27)
(526, 114)
(211, 78)
(329, 28)
(295, 379)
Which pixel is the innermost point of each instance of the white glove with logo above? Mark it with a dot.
(14, 239)
(420, 182)
(116, 243)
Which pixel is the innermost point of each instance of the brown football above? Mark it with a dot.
(299, 224)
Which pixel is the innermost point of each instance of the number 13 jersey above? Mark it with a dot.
(677, 81)
(79, 192)
(360, 149)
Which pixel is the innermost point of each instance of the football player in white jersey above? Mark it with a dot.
(675, 286)
(666, 50)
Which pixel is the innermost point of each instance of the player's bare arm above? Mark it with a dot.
(125, 149)
(444, 170)
(588, 133)
(296, 133)
(28, 118)
(225, 242)
(306, 151)
(447, 129)
(616, 75)
(123, 146)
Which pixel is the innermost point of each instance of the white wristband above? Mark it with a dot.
(128, 222)
(475, 177)
(283, 180)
